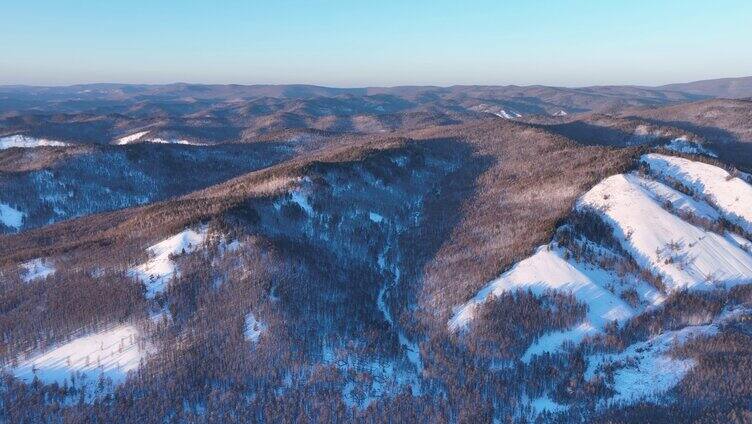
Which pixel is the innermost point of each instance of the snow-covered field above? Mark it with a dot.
(11, 217)
(644, 215)
(684, 145)
(507, 115)
(253, 328)
(23, 141)
(731, 195)
(132, 138)
(160, 268)
(683, 254)
(140, 137)
(37, 269)
(111, 354)
(547, 269)
(645, 370)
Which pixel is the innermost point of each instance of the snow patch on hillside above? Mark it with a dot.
(730, 194)
(139, 137)
(546, 270)
(23, 141)
(36, 269)
(375, 217)
(110, 354)
(252, 328)
(645, 370)
(545, 404)
(301, 199)
(684, 145)
(658, 227)
(131, 138)
(11, 217)
(172, 141)
(496, 110)
(160, 268)
(507, 115)
(680, 252)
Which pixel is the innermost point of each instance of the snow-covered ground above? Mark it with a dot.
(507, 115)
(299, 197)
(132, 138)
(37, 269)
(645, 370)
(253, 328)
(139, 137)
(172, 141)
(684, 145)
(546, 270)
(730, 194)
(111, 354)
(683, 254)
(643, 214)
(20, 140)
(160, 268)
(377, 218)
(11, 217)
(545, 404)
(496, 110)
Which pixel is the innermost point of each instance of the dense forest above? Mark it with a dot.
(377, 278)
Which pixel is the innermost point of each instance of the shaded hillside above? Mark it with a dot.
(45, 185)
(729, 88)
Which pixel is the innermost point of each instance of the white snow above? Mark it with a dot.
(37, 269)
(684, 145)
(20, 140)
(131, 138)
(548, 270)
(160, 268)
(545, 404)
(11, 217)
(561, 113)
(507, 114)
(171, 141)
(373, 216)
(253, 328)
(683, 254)
(301, 199)
(112, 354)
(730, 194)
(646, 369)
(139, 137)
(678, 200)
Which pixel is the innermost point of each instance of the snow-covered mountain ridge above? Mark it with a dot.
(634, 240)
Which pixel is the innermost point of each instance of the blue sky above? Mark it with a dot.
(362, 43)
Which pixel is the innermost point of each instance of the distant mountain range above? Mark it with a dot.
(210, 114)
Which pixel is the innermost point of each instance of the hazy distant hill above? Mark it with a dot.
(730, 88)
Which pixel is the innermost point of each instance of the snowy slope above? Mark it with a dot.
(139, 138)
(23, 141)
(680, 252)
(253, 328)
(651, 222)
(160, 268)
(112, 354)
(645, 370)
(132, 138)
(11, 217)
(37, 269)
(684, 145)
(548, 270)
(730, 194)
